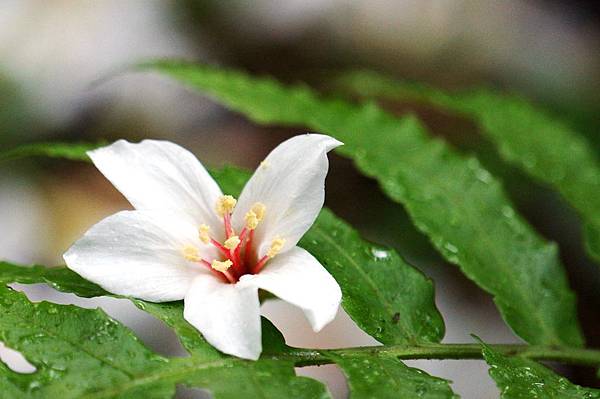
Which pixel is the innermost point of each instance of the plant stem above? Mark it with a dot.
(567, 355)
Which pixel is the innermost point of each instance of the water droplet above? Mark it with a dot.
(451, 248)
(380, 254)
(508, 212)
(483, 176)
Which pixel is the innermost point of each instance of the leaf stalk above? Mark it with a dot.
(567, 355)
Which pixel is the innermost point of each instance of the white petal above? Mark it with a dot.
(227, 315)
(291, 183)
(139, 254)
(298, 278)
(160, 175)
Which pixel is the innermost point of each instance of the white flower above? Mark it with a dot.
(186, 240)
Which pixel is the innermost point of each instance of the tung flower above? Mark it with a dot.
(186, 240)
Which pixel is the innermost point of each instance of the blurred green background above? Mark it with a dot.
(55, 56)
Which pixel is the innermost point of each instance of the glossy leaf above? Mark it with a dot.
(520, 378)
(82, 353)
(386, 297)
(274, 361)
(388, 378)
(452, 199)
(389, 299)
(543, 146)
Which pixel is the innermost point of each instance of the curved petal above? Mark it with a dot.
(298, 278)
(291, 183)
(139, 254)
(160, 175)
(227, 315)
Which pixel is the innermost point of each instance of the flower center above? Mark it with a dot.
(237, 253)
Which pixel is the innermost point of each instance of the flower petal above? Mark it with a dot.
(298, 278)
(139, 254)
(227, 315)
(160, 175)
(291, 183)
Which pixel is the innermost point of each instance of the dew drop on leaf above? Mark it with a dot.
(380, 254)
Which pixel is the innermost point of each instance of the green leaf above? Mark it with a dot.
(381, 378)
(452, 199)
(72, 151)
(60, 278)
(520, 378)
(386, 297)
(65, 280)
(214, 370)
(82, 353)
(526, 136)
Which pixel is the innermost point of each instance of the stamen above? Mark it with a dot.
(227, 223)
(249, 253)
(255, 215)
(219, 246)
(232, 242)
(240, 256)
(265, 164)
(191, 253)
(225, 205)
(276, 246)
(251, 220)
(204, 237)
(259, 209)
(221, 266)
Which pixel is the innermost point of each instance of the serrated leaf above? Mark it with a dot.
(543, 146)
(414, 382)
(520, 378)
(389, 299)
(82, 353)
(452, 199)
(388, 378)
(384, 295)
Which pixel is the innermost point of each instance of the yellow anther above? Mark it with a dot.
(232, 242)
(276, 246)
(259, 210)
(203, 230)
(225, 204)
(221, 266)
(264, 164)
(251, 220)
(191, 253)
